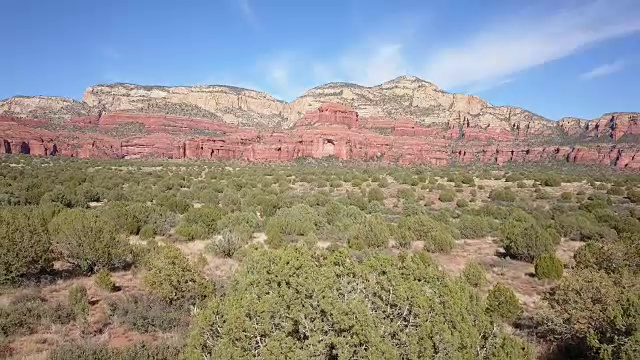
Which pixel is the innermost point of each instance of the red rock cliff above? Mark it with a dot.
(331, 130)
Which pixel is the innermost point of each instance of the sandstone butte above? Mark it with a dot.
(406, 120)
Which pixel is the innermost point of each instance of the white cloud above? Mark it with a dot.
(247, 11)
(604, 69)
(528, 41)
(373, 65)
(492, 56)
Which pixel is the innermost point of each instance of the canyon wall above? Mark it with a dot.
(406, 121)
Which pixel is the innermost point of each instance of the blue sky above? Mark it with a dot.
(556, 58)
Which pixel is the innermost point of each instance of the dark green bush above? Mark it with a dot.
(525, 239)
(462, 203)
(447, 196)
(552, 181)
(23, 228)
(514, 178)
(503, 303)
(342, 304)
(593, 315)
(171, 276)
(506, 195)
(634, 196)
(298, 220)
(437, 236)
(474, 274)
(548, 266)
(406, 193)
(173, 203)
(472, 227)
(611, 256)
(200, 222)
(86, 240)
(372, 233)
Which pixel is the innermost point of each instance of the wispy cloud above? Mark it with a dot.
(530, 40)
(602, 70)
(494, 55)
(247, 12)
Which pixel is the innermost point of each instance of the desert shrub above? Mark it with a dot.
(616, 190)
(227, 243)
(503, 303)
(593, 314)
(201, 221)
(611, 257)
(566, 196)
(521, 185)
(634, 196)
(514, 178)
(298, 220)
(474, 274)
(548, 266)
(144, 313)
(173, 203)
(436, 235)
(275, 238)
(582, 226)
(447, 196)
(23, 228)
(137, 351)
(338, 301)
(147, 232)
(104, 280)
(462, 203)
(79, 301)
(241, 222)
(525, 239)
(170, 275)
(86, 240)
(506, 195)
(27, 311)
(472, 226)
(551, 181)
(467, 179)
(406, 193)
(191, 232)
(542, 194)
(372, 233)
(129, 217)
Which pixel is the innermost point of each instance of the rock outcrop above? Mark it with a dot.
(406, 120)
(331, 130)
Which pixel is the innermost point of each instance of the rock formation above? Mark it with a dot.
(406, 120)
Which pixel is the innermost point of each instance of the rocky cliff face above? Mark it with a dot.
(406, 120)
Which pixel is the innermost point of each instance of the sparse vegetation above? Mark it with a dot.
(385, 245)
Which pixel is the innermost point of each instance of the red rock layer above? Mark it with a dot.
(332, 130)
